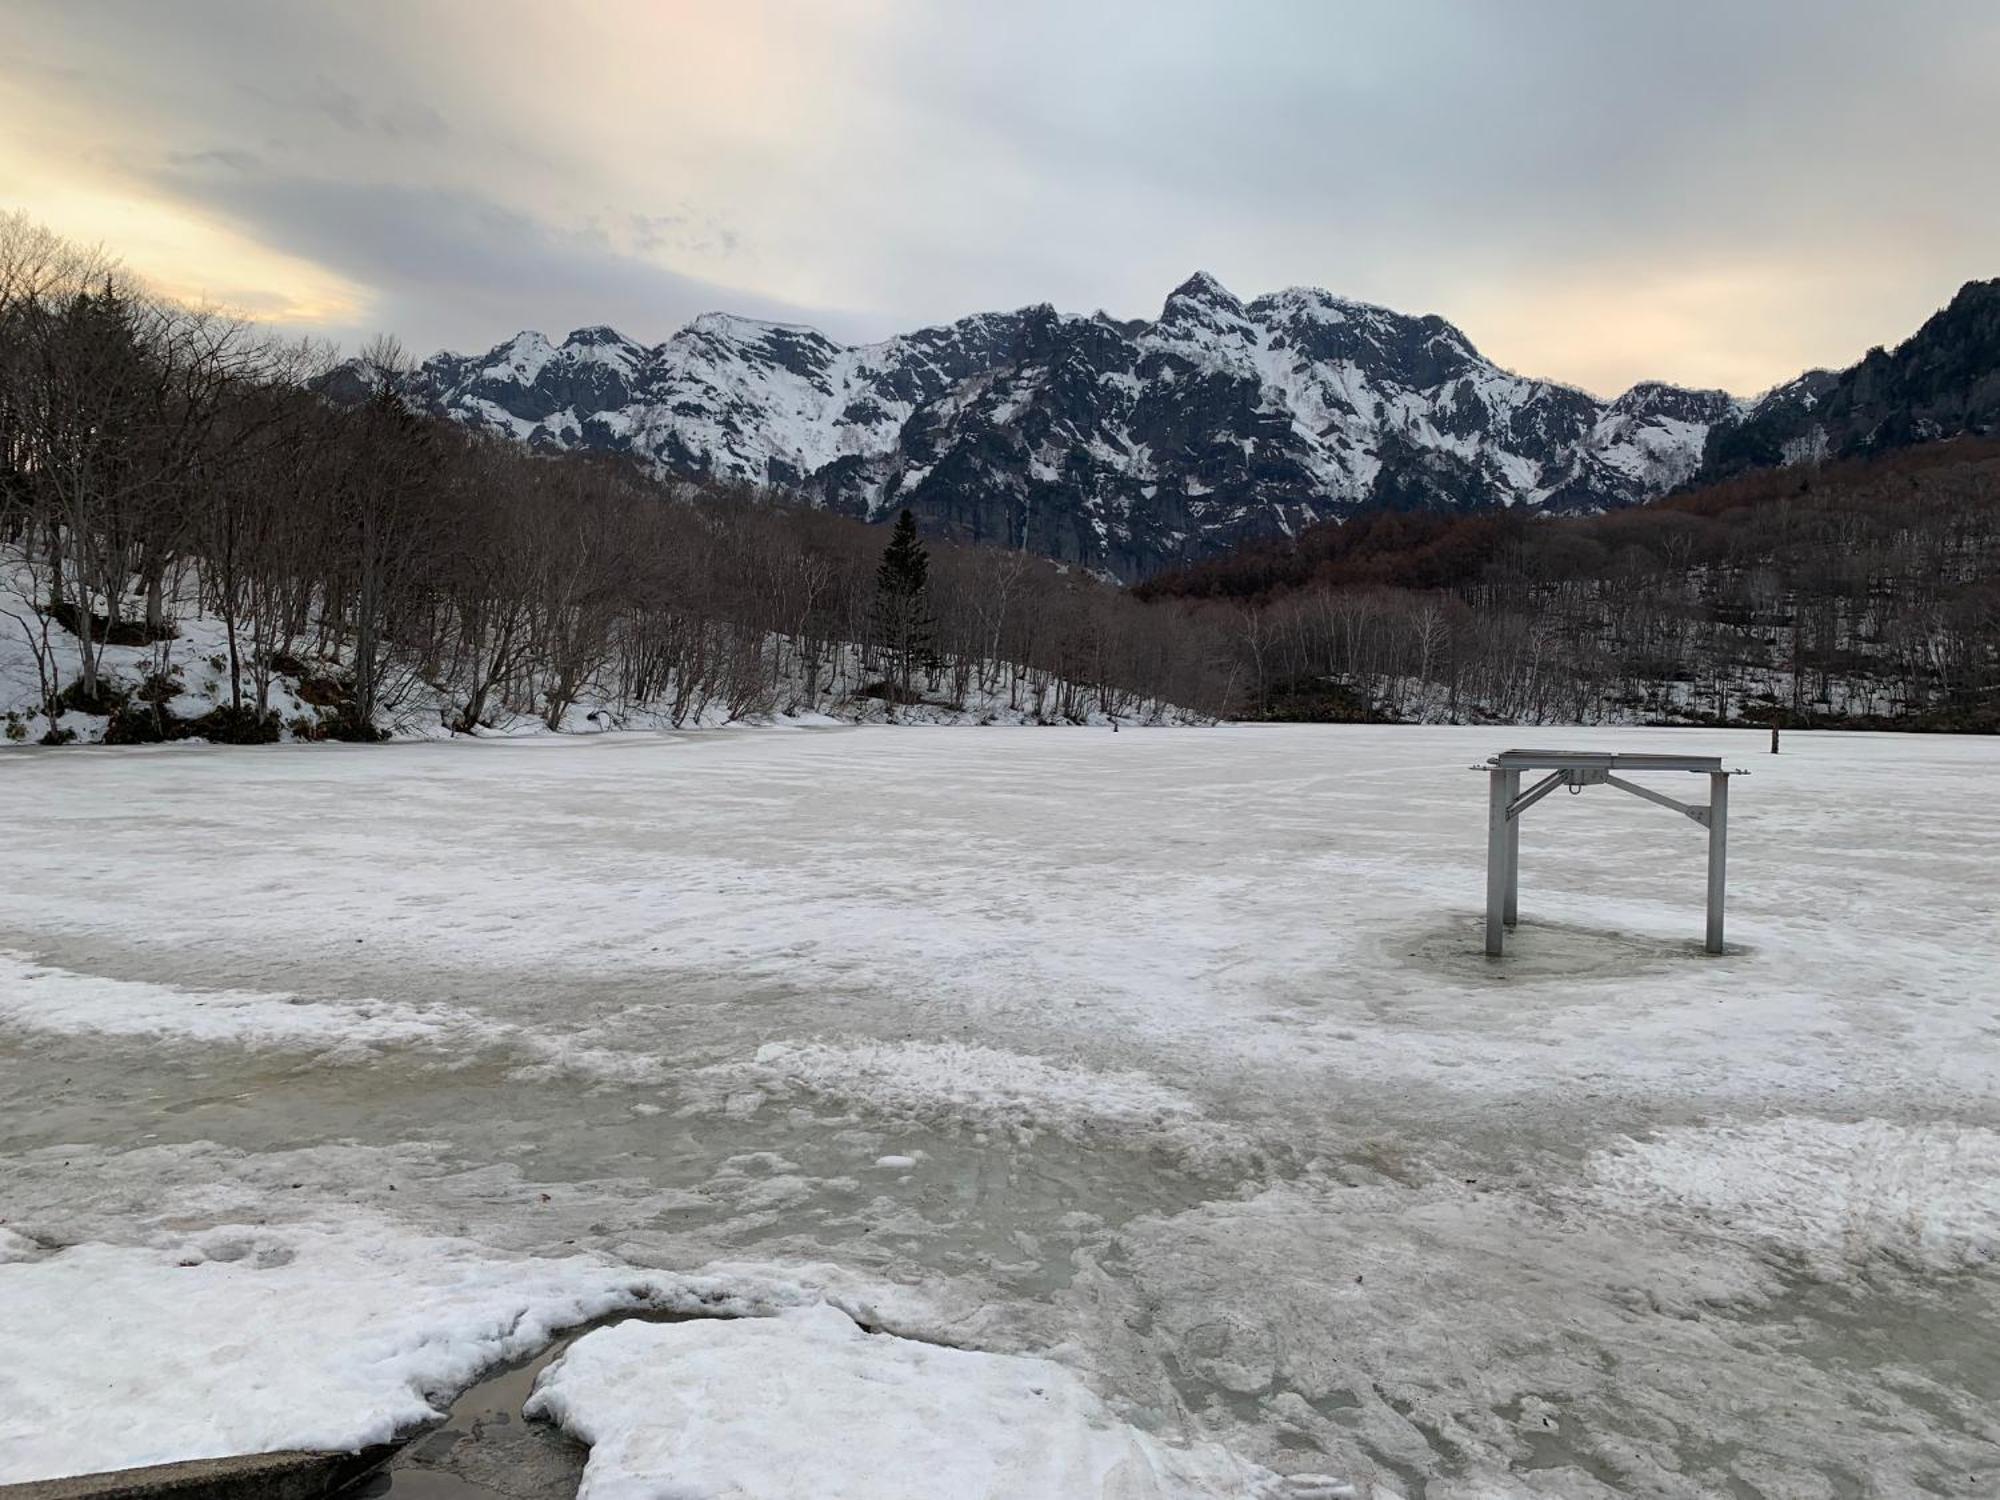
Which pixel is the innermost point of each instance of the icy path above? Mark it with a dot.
(1168, 1056)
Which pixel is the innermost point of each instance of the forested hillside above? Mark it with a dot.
(1864, 592)
(346, 570)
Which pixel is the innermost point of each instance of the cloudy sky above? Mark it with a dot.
(1714, 193)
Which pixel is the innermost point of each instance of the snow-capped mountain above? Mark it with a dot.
(1123, 446)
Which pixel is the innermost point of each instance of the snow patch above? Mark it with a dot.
(257, 1338)
(806, 1406)
(39, 998)
(1838, 1192)
(34, 997)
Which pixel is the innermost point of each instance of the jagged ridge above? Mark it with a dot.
(1121, 446)
(1943, 381)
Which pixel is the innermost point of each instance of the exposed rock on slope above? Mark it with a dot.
(1943, 381)
(1123, 446)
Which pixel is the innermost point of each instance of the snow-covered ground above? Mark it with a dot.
(195, 662)
(1122, 1115)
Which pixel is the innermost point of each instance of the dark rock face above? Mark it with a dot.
(1944, 381)
(1123, 447)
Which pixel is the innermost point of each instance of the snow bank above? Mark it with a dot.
(41, 998)
(252, 1339)
(196, 654)
(349, 1032)
(1836, 1192)
(805, 1406)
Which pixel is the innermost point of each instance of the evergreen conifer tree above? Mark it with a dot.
(903, 623)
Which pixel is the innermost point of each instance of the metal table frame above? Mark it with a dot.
(1578, 769)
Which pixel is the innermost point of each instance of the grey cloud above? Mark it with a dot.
(401, 120)
(1434, 155)
(684, 231)
(1580, 123)
(459, 270)
(226, 157)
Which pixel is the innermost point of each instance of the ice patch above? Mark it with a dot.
(1836, 1191)
(983, 1088)
(16, 1247)
(805, 1406)
(1270, 941)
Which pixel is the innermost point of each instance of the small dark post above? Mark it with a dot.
(1775, 721)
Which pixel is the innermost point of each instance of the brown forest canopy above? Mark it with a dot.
(1859, 591)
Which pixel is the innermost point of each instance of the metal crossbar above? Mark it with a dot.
(1601, 760)
(1578, 769)
(1536, 792)
(1686, 809)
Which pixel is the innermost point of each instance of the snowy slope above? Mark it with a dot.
(728, 396)
(1124, 446)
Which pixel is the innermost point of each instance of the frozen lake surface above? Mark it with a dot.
(1164, 1062)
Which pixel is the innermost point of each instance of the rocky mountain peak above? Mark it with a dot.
(1656, 398)
(1122, 446)
(1204, 286)
(1200, 299)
